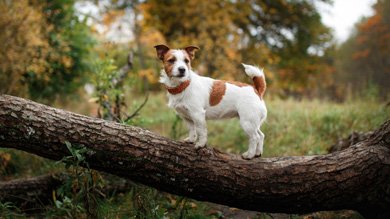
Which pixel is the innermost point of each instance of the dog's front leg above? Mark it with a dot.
(199, 119)
(192, 131)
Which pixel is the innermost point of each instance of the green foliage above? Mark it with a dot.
(287, 37)
(9, 210)
(70, 42)
(76, 158)
(80, 193)
(45, 50)
(107, 93)
(144, 202)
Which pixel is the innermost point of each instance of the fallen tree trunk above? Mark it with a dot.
(31, 191)
(356, 178)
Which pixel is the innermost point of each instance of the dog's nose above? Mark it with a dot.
(181, 70)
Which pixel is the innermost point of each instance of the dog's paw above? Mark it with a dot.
(189, 140)
(247, 155)
(199, 145)
(258, 153)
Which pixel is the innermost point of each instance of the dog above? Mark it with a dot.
(196, 98)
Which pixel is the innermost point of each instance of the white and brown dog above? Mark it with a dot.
(196, 98)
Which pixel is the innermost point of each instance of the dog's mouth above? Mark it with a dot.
(180, 75)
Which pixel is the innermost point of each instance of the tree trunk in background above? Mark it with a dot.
(357, 178)
(30, 194)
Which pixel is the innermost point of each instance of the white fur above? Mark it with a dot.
(193, 106)
(253, 71)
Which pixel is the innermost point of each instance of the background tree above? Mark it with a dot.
(200, 23)
(70, 42)
(24, 37)
(286, 36)
(295, 35)
(45, 49)
(364, 58)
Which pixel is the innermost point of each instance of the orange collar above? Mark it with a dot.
(178, 89)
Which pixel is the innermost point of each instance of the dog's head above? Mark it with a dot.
(177, 62)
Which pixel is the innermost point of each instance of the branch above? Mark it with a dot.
(135, 113)
(351, 140)
(356, 178)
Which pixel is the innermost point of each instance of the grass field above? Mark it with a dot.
(292, 128)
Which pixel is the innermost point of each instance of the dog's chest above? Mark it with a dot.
(179, 105)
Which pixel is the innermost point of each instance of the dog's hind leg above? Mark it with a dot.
(259, 148)
(254, 138)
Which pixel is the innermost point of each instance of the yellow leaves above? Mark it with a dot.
(150, 37)
(231, 54)
(24, 42)
(67, 61)
(149, 74)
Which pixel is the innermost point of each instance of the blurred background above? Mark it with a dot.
(326, 63)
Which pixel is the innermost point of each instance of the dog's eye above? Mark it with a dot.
(171, 61)
(186, 61)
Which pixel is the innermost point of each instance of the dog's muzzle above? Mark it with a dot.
(182, 72)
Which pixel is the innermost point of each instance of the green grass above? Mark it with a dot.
(292, 128)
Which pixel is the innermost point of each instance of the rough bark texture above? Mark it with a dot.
(357, 178)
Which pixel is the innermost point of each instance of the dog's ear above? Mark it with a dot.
(191, 51)
(161, 50)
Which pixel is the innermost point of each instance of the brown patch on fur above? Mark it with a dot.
(217, 92)
(167, 65)
(259, 85)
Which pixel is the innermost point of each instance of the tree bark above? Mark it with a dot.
(357, 178)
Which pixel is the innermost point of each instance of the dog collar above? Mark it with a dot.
(180, 88)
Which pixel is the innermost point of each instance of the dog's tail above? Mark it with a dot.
(258, 78)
